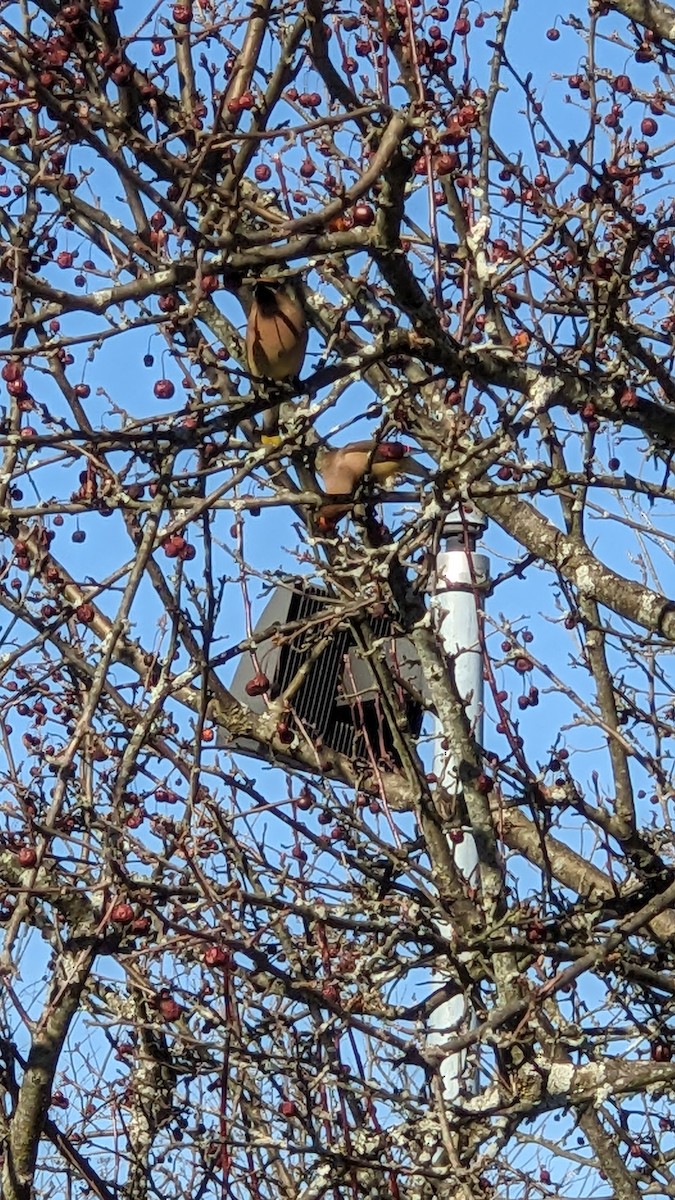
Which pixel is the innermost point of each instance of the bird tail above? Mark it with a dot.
(270, 429)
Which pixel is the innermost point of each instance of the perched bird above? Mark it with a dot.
(343, 469)
(276, 339)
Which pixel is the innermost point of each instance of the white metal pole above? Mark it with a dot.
(459, 572)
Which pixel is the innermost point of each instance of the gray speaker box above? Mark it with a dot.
(338, 700)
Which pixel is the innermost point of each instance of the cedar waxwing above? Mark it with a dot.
(343, 469)
(276, 339)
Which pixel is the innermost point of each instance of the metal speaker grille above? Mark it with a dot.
(344, 726)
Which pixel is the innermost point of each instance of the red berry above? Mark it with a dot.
(445, 164)
(216, 956)
(649, 127)
(17, 387)
(263, 172)
(11, 372)
(71, 14)
(122, 913)
(168, 1007)
(628, 399)
(258, 685)
(164, 389)
(363, 214)
(27, 856)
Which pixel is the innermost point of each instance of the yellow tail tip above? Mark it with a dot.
(270, 439)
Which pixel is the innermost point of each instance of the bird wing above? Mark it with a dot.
(340, 470)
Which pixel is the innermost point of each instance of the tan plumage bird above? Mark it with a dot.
(343, 469)
(276, 339)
